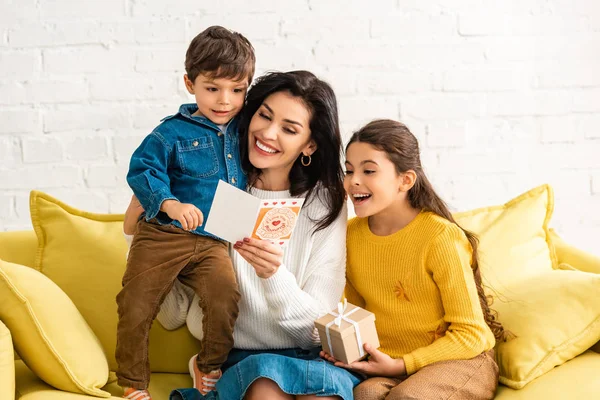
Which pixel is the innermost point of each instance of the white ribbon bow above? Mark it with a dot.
(339, 316)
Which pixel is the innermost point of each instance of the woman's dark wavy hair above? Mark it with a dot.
(325, 168)
(402, 148)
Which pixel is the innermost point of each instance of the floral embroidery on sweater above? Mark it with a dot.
(439, 332)
(400, 291)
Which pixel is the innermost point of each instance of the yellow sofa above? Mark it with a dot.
(578, 378)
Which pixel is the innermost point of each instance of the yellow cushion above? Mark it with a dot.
(49, 333)
(514, 237)
(555, 313)
(7, 364)
(84, 254)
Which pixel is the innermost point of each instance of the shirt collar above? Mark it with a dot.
(186, 110)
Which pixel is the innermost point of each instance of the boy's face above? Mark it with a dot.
(218, 99)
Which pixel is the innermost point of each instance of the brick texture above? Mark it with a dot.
(503, 95)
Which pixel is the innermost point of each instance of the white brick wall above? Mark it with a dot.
(503, 95)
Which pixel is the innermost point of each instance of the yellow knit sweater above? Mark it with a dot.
(419, 284)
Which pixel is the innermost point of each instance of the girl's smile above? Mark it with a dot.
(359, 199)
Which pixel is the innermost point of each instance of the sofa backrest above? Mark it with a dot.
(18, 247)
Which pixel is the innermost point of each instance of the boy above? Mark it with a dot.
(174, 174)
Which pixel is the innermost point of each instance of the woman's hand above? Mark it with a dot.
(379, 364)
(132, 215)
(265, 257)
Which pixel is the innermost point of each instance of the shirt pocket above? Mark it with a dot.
(198, 157)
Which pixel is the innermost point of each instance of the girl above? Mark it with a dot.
(290, 145)
(412, 266)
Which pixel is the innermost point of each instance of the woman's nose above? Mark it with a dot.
(270, 132)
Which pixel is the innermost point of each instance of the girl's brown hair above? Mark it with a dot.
(402, 148)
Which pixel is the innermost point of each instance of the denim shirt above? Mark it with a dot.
(183, 159)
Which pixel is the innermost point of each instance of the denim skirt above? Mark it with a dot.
(295, 371)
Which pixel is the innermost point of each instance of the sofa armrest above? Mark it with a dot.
(7, 364)
(573, 256)
(577, 259)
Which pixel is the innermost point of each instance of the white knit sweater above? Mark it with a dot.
(279, 312)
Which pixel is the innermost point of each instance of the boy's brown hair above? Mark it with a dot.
(220, 53)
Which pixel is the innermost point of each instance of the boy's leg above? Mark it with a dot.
(211, 275)
(474, 379)
(157, 255)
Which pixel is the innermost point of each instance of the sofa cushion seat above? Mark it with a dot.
(579, 376)
(30, 387)
(575, 379)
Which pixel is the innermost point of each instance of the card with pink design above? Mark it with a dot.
(236, 214)
(276, 220)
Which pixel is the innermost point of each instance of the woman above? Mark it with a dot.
(290, 146)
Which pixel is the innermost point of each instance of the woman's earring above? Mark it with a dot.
(305, 163)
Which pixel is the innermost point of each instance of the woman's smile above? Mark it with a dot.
(264, 148)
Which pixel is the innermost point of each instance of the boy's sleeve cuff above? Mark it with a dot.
(155, 202)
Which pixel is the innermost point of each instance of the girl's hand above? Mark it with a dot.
(379, 364)
(134, 210)
(265, 257)
(328, 357)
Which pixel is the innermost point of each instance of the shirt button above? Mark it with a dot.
(220, 134)
(232, 180)
(229, 156)
(195, 144)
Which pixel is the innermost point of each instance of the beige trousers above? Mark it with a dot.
(474, 379)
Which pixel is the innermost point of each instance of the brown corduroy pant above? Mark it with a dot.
(474, 379)
(160, 254)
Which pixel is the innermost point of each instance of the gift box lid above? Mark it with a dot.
(346, 328)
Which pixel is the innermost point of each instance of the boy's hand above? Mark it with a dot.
(189, 216)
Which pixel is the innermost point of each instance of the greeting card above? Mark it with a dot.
(276, 220)
(236, 214)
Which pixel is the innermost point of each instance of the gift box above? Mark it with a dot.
(344, 332)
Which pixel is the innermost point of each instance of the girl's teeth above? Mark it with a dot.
(264, 148)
